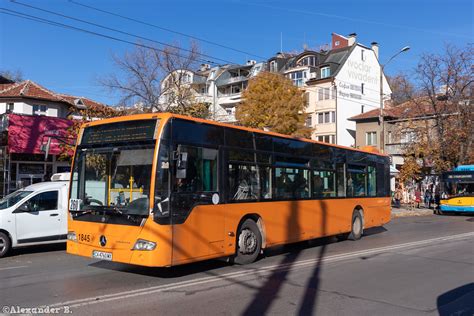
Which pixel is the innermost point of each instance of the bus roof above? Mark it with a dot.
(464, 168)
(170, 115)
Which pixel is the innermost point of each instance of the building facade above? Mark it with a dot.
(30, 116)
(220, 87)
(338, 83)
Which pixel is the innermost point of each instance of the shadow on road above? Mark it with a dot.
(37, 249)
(166, 273)
(459, 301)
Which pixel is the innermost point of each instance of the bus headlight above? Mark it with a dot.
(71, 236)
(143, 244)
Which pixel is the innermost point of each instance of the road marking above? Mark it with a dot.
(268, 269)
(17, 267)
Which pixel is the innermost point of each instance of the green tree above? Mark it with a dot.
(272, 101)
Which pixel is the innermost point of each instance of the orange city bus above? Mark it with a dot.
(162, 190)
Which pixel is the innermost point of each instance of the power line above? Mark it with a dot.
(66, 26)
(357, 20)
(166, 29)
(117, 30)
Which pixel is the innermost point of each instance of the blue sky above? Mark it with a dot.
(70, 62)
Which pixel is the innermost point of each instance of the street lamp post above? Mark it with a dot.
(381, 120)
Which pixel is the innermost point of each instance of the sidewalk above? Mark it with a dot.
(405, 211)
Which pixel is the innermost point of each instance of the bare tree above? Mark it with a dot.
(154, 78)
(14, 75)
(402, 89)
(444, 96)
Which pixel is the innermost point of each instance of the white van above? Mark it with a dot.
(36, 214)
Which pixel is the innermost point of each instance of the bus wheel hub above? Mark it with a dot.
(247, 242)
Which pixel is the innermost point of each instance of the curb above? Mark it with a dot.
(409, 213)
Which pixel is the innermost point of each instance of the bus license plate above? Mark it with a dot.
(102, 255)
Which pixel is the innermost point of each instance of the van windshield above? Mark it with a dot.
(13, 198)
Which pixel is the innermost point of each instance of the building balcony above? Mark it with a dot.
(227, 81)
(394, 149)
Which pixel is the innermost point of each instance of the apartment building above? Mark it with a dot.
(338, 83)
(221, 87)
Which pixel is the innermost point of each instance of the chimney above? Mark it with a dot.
(205, 67)
(338, 41)
(375, 48)
(352, 39)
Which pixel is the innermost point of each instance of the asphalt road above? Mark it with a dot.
(412, 266)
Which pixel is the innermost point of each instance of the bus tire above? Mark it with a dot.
(249, 243)
(5, 244)
(357, 226)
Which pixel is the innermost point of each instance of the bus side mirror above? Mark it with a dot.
(181, 165)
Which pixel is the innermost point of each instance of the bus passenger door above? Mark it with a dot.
(198, 224)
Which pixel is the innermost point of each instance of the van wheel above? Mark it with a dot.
(5, 244)
(249, 243)
(357, 227)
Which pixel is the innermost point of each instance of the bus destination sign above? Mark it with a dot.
(131, 131)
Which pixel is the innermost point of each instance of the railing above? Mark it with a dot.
(394, 149)
(223, 82)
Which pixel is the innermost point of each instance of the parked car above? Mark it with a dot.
(36, 214)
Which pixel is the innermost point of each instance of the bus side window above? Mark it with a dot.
(201, 170)
(341, 180)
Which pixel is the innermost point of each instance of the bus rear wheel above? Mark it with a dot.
(249, 243)
(357, 227)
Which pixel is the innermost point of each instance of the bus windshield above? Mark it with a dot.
(458, 189)
(112, 180)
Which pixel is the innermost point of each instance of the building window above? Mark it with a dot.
(389, 137)
(325, 72)
(39, 109)
(371, 138)
(298, 78)
(308, 61)
(10, 107)
(330, 139)
(408, 137)
(273, 66)
(309, 121)
(235, 89)
(326, 117)
(325, 94)
(362, 108)
(337, 43)
(362, 88)
(362, 57)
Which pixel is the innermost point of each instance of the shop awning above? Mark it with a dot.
(27, 133)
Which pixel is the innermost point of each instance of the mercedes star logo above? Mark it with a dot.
(103, 241)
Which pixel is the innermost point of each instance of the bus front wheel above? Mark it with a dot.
(249, 243)
(357, 227)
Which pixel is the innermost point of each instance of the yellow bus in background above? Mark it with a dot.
(457, 190)
(162, 190)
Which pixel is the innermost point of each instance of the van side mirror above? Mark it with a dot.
(24, 208)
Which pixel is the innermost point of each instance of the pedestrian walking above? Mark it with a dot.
(428, 196)
(397, 197)
(417, 197)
